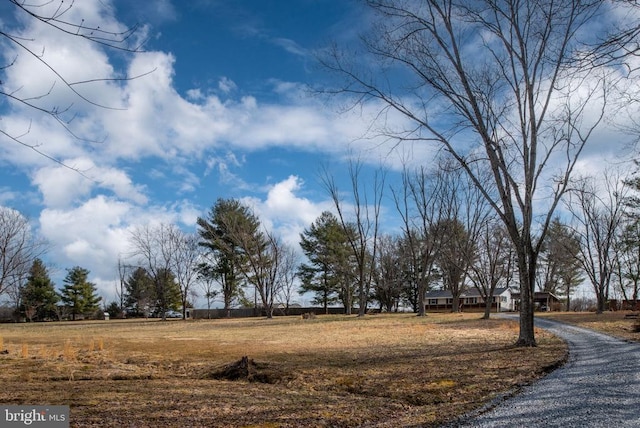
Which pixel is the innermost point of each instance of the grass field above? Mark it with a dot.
(332, 371)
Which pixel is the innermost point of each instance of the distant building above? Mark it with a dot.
(442, 300)
(543, 301)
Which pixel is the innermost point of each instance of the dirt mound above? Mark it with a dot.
(250, 370)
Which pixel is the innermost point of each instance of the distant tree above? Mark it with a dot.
(388, 278)
(222, 256)
(598, 213)
(114, 310)
(560, 268)
(261, 254)
(287, 275)
(418, 202)
(139, 293)
(78, 293)
(207, 281)
(322, 243)
(153, 247)
(167, 293)
(18, 250)
(185, 263)
(627, 266)
(410, 269)
(365, 222)
(39, 296)
(121, 285)
(494, 264)
(628, 244)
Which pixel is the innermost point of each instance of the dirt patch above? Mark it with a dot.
(247, 369)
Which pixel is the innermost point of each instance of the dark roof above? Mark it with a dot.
(539, 295)
(471, 292)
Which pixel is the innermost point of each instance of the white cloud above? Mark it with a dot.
(284, 212)
(227, 85)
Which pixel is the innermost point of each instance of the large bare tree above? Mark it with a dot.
(491, 82)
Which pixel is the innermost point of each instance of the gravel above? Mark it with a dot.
(599, 386)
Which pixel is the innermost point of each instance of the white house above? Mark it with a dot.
(471, 299)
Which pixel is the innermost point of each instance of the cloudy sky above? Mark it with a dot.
(222, 108)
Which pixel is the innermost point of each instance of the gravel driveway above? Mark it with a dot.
(598, 387)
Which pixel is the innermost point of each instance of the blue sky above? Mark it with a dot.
(226, 112)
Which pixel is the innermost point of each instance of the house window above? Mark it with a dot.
(503, 299)
(449, 301)
(472, 300)
(433, 301)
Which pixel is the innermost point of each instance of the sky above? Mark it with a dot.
(223, 104)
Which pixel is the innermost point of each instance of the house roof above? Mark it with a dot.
(471, 292)
(540, 295)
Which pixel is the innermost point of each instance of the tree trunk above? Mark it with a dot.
(487, 308)
(455, 303)
(421, 293)
(527, 290)
(600, 302)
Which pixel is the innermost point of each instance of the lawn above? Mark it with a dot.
(332, 371)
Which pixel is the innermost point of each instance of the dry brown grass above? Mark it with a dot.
(612, 323)
(383, 370)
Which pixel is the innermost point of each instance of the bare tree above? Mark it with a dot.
(464, 211)
(287, 275)
(365, 219)
(494, 263)
(58, 15)
(207, 281)
(490, 82)
(598, 213)
(18, 249)
(417, 205)
(151, 245)
(185, 262)
(388, 280)
(263, 252)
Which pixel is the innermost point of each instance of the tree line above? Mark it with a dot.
(449, 239)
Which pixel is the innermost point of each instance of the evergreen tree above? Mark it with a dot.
(223, 254)
(325, 275)
(78, 293)
(167, 293)
(560, 271)
(39, 296)
(139, 293)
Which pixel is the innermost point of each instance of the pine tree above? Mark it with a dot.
(139, 293)
(39, 295)
(325, 245)
(223, 254)
(78, 293)
(166, 293)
